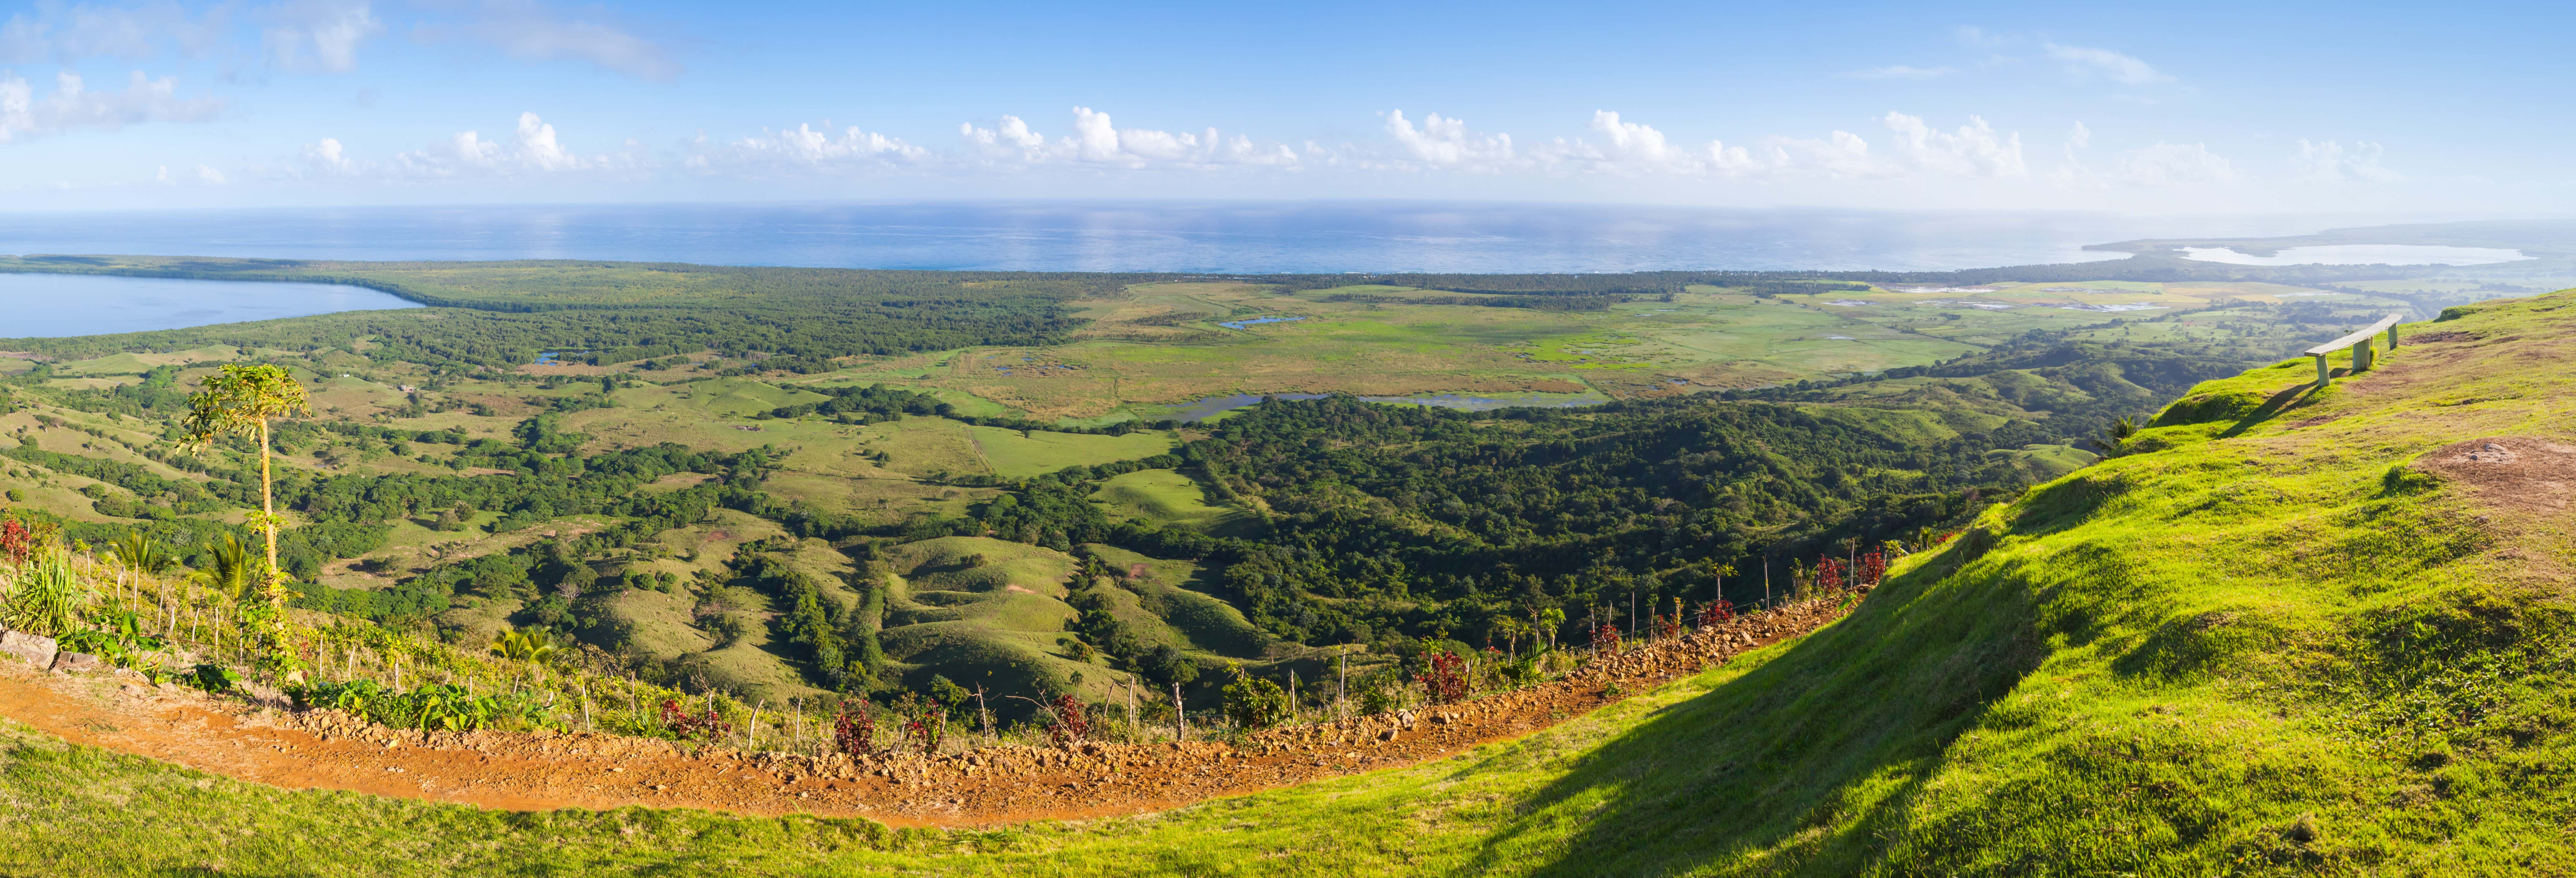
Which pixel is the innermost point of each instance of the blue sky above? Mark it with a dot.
(2179, 109)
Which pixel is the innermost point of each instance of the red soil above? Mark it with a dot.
(993, 785)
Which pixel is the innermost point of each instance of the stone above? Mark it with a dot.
(29, 648)
(78, 663)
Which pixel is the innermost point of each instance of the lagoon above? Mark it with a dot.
(59, 305)
(2361, 254)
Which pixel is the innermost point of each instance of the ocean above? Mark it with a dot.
(1211, 237)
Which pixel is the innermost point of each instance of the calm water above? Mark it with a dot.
(50, 305)
(1138, 236)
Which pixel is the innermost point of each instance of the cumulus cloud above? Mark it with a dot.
(2330, 162)
(531, 32)
(2114, 66)
(1446, 143)
(1634, 147)
(328, 158)
(209, 176)
(318, 35)
(2168, 164)
(1098, 141)
(61, 34)
(806, 148)
(72, 105)
(534, 150)
(1901, 71)
(1972, 151)
(2070, 172)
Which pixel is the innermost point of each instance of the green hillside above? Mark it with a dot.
(2292, 632)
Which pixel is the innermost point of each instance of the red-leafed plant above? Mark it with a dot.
(1072, 720)
(1715, 613)
(856, 732)
(1830, 574)
(927, 728)
(1606, 636)
(1668, 626)
(1873, 568)
(708, 726)
(1444, 679)
(16, 542)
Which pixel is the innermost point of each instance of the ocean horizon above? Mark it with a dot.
(1144, 236)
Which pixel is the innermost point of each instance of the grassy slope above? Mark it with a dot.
(2269, 644)
(1163, 497)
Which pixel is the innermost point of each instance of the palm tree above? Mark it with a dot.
(139, 553)
(535, 646)
(2115, 438)
(231, 567)
(242, 400)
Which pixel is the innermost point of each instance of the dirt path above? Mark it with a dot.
(1009, 784)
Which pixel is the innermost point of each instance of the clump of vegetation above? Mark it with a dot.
(1254, 703)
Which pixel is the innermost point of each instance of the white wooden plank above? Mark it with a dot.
(2356, 338)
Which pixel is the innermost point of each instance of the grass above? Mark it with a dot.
(997, 620)
(1164, 497)
(2282, 638)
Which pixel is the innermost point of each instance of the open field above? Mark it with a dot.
(1390, 341)
(1165, 497)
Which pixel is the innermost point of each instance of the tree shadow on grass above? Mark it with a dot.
(1804, 763)
(2273, 406)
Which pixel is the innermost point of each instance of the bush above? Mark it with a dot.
(1254, 703)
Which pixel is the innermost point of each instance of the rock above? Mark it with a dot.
(29, 648)
(77, 663)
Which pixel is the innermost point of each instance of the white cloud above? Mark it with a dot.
(2329, 162)
(2114, 66)
(2070, 172)
(1975, 37)
(2167, 164)
(1098, 141)
(209, 176)
(61, 34)
(806, 148)
(1011, 134)
(328, 158)
(1633, 147)
(73, 106)
(535, 150)
(318, 35)
(531, 32)
(1841, 155)
(1973, 151)
(1901, 71)
(1446, 143)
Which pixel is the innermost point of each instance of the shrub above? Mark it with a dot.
(1380, 691)
(1072, 720)
(1254, 703)
(1720, 611)
(856, 732)
(708, 726)
(1444, 677)
(48, 596)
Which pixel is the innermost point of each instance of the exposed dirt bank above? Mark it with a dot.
(544, 770)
